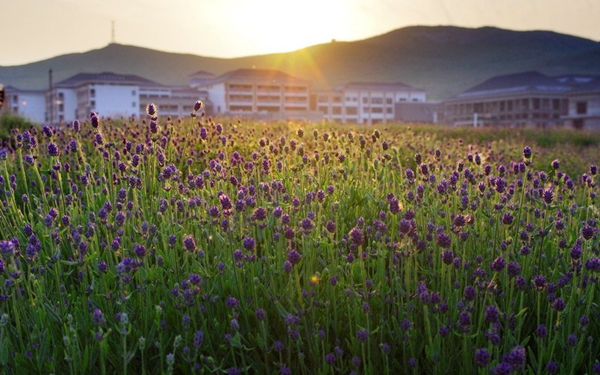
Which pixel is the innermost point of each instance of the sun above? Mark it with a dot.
(281, 26)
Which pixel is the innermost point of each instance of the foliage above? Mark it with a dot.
(195, 246)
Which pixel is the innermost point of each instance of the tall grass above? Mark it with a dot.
(192, 246)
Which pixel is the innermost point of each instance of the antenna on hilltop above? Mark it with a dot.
(112, 36)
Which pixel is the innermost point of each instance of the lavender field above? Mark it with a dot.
(194, 246)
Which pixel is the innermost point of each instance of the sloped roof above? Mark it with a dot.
(591, 86)
(105, 77)
(257, 75)
(10, 88)
(202, 73)
(394, 86)
(526, 82)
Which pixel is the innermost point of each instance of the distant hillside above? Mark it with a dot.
(443, 60)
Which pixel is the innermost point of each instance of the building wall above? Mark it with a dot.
(217, 94)
(527, 109)
(584, 111)
(363, 106)
(116, 101)
(29, 105)
(61, 105)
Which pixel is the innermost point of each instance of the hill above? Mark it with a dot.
(444, 60)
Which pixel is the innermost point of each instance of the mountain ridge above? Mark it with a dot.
(444, 60)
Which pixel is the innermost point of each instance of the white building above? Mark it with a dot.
(115, 95)
(366, 102)
(584, 106)
(25, 103)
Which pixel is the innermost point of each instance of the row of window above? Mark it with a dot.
(354, 110)
(365, 100)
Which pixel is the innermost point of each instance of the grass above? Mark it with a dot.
(195, 246)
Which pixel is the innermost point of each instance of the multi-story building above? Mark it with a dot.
(365, 102)
(25, 103)
(258, 91)
(523, 99)
(108, 94)
(115, 95)
(172, 101)
(584, 106)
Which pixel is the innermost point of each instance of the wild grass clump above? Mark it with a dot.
(10, 122)
(194, 246)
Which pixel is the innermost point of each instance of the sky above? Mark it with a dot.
(34, 30)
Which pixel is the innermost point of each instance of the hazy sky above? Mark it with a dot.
(32, 30)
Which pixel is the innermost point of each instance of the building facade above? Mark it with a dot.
(584, 106)
(365, 102)
(258, 92)
(523, 99)
(25, 103)
(115, 95)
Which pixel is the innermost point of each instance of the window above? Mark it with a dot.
(578, 123)
(389, 110)
(93, 103)
(415, 99)
(351, 110)
(133, 93)
(377, 100)
(388, 100)
(61, 107)
(365, 100)
(323, 109)
(337, 110)
(581, 108)
(377, 110)
(556, 104)
(133, 104)
(92, 93)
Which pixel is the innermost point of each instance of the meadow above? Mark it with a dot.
(201, 245)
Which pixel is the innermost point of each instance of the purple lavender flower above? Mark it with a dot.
(559, 304)
(189, 244)
(53, 149)
(98, 317)
(198, 339)
(447, 256)
(548, 196)
(587, 232)
(357, 236)
(140, 251)
(232, 302)
(491, 314)
(482, 357)
(507, 218)
(443, 240)
(362, 335)
(7, 248)
(469, 293)
(249, 243)
(307, 225)
(541, 331)
(330, 358)
(498, 264)
(259, 214)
